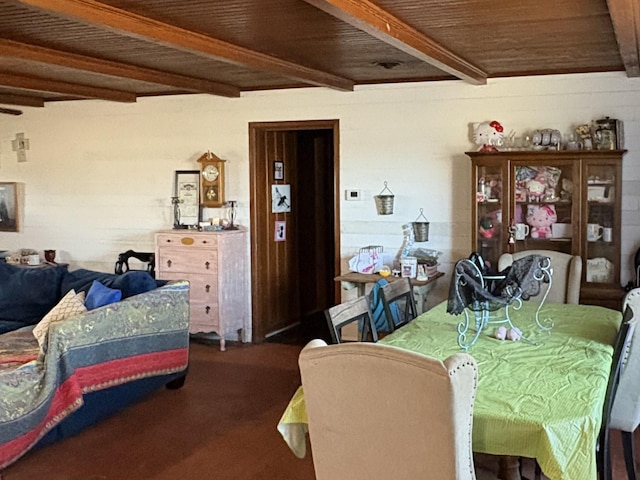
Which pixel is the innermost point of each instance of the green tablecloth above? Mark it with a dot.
(541, 401)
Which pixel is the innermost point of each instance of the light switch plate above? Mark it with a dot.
(352, 195)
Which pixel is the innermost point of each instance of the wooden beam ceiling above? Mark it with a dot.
(625, 15)
(55, 86)
(131, 24)
(375, 21)
(23, 100)
(9, 48)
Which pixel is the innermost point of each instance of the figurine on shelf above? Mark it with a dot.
(584, 132)
(488, 135)
(487, 228)
(540, 218)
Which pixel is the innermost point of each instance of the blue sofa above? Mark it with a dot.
(92, 364)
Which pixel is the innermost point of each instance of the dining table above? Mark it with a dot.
(541, 397)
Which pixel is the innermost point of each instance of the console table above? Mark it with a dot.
(359, 280)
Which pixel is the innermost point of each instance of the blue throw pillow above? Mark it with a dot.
(130, 283)
(100, 295)
(28, 293)
(133, 282)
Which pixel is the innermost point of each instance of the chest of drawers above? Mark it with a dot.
(214, 263)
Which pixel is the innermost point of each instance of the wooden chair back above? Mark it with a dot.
(399, 292)
(356, 310)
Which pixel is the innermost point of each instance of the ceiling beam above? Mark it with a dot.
(23, 100)
(148, 29)
(10, 111)
(368, 17)
(55, 86)
(9, 48)
(625, 16)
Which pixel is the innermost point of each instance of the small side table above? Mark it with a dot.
(420, 287)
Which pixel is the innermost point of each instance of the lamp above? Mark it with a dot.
(175, 201)
(231, 206)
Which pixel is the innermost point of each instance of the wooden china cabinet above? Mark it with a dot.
(577, 192)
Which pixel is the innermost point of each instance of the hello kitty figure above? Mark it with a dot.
(488, 135)
(540, 218)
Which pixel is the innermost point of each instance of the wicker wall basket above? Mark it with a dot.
(384, 202)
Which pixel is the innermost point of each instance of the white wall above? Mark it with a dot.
(99, 175)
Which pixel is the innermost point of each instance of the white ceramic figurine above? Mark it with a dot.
(488, 135)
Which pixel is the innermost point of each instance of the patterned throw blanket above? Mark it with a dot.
(17, 348)
(142, 336)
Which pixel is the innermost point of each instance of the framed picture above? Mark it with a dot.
(278, 170)
(280, 233)
(186, 200)
(10, 208)
(280, 198)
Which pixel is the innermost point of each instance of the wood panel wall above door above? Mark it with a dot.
(119, 50)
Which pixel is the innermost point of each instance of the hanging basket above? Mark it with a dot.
(421, 228)
(384, 202)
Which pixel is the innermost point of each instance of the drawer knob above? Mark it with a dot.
(207, 288)
(207, 309)
(207, 265)
(169, 263)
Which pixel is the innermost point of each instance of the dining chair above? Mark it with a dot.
(376, 411)
(399, 302)
(566, 277)
(351, 311)
(625, 413)
(620, 349)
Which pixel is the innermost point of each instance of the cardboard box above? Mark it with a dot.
(561, 230)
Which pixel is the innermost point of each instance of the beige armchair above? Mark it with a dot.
(625, 413)
(567, 274)
(377, 412)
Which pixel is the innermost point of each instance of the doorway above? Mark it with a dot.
(295, 234)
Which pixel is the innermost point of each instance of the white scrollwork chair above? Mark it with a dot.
(380, 412)
(625, 413)
(567, 273)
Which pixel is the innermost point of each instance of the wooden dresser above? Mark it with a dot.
(214, 263)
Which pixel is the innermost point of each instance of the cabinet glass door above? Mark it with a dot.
(489, 232)
(601, 222)
(545, 212)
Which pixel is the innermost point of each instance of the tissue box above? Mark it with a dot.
(561, 230)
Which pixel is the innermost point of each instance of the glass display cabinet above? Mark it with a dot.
(567, 201)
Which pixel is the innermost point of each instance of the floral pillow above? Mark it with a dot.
(70, 305)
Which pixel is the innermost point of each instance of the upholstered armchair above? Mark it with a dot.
(380, 412)
(625, 413)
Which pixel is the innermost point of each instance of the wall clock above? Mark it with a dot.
(211, 180)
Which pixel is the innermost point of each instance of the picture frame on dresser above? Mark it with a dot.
(187, 195)
(10, 207)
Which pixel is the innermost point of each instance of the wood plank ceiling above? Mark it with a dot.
(119, 50)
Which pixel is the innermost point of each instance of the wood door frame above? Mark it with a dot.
(257, 270)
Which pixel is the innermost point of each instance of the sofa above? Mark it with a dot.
(63, 370)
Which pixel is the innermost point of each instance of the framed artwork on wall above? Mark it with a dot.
(280, 234)
(278, 170)
(280, 198)
(186, 199)
(10, 208)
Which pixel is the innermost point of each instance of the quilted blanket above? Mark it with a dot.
(143, 336)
